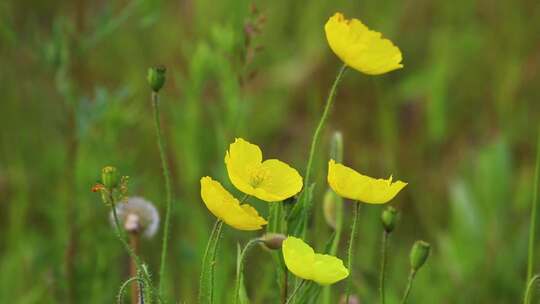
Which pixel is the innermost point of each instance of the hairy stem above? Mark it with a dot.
(412, 274)
(295, 291)
(318, 130)
(532, 227)
(240, 267)
(384, 255)
(350, 251)
(206, 283)
(168, 190)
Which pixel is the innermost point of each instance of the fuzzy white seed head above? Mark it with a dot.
(138, 215)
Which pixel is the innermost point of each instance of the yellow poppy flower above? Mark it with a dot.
(227, 208)
(270, 180)
(352, 185)
(361, 48)
(306, 264)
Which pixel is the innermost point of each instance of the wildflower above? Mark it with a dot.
(270, 180)
(306, 264)
(352, 185)
(138, 215)
(361, 48)
(227, 208)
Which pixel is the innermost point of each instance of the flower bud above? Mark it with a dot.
(110, 177)
(273, 240)
(156, 77)
(389, 219)
(419, 254)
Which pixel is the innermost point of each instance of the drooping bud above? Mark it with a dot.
(110, 177)
(156, 77)
(419, 254)
(389, 219)
(273, 240)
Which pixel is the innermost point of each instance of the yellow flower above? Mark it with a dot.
(306, 264)
(353, 185)
(270, 180)
(361, 48)
(227, 208)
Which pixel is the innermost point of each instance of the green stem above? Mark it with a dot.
(409, 286)
(384, 255)
(166, 176)
(240, 267)
(529, 290)
(122, 237)
(295, 291)
(120, 297)
(320, 126)
(532, 227)
(350, 251)
(206, 288)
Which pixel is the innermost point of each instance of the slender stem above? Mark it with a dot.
(350, 251)
(240, 267)
(206, 288)
(122, 237)
(529, 291)
(384, 255)
(134, 242)
(120, 297)
(166, 176)
(532, 227)
(284, 289)
(320, 126)
(409, 286)
(295, 291)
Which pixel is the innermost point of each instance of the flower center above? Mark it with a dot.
(257, 176)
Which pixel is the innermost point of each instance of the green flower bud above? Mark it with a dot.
(336, 147)
(156, 78)
(273, 240)
(110, 177)
(419, 254)
(389, 218)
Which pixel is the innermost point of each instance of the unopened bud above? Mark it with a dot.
(273, 240)
(336, 147)
(419, 254)
(156, 78)
(110, 177)
(389, 219)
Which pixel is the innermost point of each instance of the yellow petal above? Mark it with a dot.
(352, 185)
(271, 180)
(303, 262)
(227, 208)
(361, 48)
(328, 269)
(299, 257)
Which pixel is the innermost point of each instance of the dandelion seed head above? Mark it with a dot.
(138, 215)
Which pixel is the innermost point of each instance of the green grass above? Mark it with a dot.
(458, 123)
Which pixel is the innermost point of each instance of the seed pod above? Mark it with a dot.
(110, 177)
(419, 254)
(389, 219)
(156, 78)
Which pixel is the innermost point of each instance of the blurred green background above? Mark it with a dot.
(459, 123)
